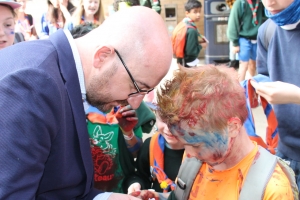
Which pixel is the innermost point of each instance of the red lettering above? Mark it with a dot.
(104, 178)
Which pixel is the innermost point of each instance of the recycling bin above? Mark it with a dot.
(216, 14)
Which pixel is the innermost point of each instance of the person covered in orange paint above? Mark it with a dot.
(205, 109)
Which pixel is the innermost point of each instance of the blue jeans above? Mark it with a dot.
(295, 165)
(247, 50)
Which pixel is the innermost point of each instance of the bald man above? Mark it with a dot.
(44, 87)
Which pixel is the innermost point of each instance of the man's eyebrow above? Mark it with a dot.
(9, 18)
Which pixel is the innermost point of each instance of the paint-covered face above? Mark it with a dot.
(276, 6)
(172, 140)
(194, 14)
(91, 6)
(212, 148)
(7, 26)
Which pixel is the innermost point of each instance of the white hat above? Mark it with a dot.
(11, 3)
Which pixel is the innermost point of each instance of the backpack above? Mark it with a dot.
(255, 183)
(179, 38)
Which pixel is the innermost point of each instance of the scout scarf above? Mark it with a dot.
(254, 10)
(157, 147)
(290, 15)
(188, 21)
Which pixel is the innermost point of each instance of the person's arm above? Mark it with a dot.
(127, 119)
(234, 23)
(29, 122)
(278, 92)
(192, 46)
(69, 21)
(143, 169)
(262, 53)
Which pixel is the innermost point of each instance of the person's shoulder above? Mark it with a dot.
(263, 27)
(192, 32)
(278, 186)
(238, 2)
(192, 29)
(147, 141)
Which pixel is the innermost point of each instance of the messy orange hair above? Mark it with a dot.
(205, 98)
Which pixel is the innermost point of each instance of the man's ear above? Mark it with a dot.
(101, 54)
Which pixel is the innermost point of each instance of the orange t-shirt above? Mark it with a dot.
(212, 184)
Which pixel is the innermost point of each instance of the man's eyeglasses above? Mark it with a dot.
(139, 91)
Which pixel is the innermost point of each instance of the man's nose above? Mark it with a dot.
(135, 102)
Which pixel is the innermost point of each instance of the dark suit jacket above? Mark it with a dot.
(44, 146)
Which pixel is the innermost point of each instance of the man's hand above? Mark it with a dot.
(127, 119)
(278, 92)
(134, 187)
(146, 195)
(203, 44)
(116, 196)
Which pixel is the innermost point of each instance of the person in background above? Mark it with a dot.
(244, 20)
(57, 17)
(205, 109)
(154, 4)
(279, 60)
(25, 22)
(70, 7)
(167, 151)
(192, 46)
(44, 92)
(7, 22)
(121, 4)
(88, 11)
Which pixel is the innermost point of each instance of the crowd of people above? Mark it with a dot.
(73, 112)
